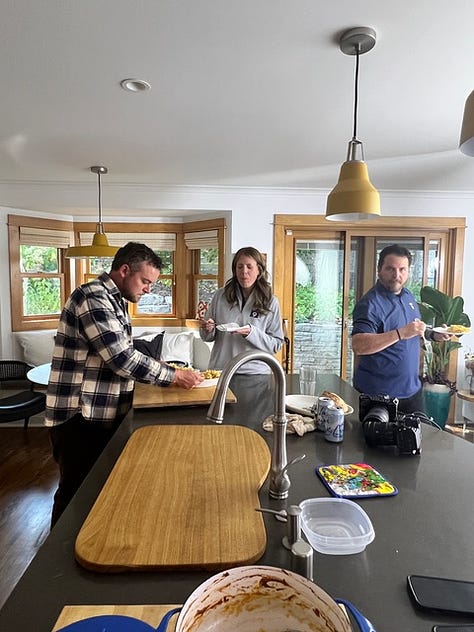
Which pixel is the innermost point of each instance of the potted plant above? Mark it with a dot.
(438, 309)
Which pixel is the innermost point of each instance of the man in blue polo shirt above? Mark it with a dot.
(386, 334)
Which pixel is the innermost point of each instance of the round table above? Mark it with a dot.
(40, 374)
(467, 397)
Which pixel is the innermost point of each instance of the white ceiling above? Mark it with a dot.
(244, 92)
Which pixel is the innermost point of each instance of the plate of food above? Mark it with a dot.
(453, 330)
(302, 404)
(211, 377)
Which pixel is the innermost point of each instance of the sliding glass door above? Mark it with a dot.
(325, 272)
(317, 296)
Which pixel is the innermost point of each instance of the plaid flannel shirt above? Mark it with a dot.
(94, 364)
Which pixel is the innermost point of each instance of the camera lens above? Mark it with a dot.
(377, 413)
(378, 434)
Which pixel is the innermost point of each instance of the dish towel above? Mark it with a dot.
(297, 424)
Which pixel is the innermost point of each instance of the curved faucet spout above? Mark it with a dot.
(279, 481)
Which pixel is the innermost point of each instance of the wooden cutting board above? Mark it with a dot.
(150, 614)
(179, 497)
(151, 396)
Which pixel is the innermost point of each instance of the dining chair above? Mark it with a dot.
(24, 404)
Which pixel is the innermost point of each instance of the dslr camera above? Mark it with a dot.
(384, 426)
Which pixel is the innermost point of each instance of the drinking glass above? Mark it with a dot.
(308, 378)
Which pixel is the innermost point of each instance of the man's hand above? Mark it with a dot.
(440, 337)
(415, 328)
(187, 379)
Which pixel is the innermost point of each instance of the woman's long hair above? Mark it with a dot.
(262, 289)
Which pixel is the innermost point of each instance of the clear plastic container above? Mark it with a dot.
(336, 526)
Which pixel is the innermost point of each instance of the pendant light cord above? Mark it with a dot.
(100, 203)
(356, 92)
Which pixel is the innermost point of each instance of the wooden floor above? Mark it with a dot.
(28, 480)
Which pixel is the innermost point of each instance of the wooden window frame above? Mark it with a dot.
(20, 322)
(74, 271)
(287, 227)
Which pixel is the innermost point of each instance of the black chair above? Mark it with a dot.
(24, 404)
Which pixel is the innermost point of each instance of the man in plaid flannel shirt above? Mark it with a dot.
(95, 365)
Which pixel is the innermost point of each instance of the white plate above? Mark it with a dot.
(302, 404)
(445, 330)
(211, 382)
(229, 327)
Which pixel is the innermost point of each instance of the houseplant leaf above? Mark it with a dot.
(437, 309)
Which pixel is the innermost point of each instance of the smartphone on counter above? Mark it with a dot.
(448, 595)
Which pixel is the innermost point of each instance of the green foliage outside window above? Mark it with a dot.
(41, 296)
(311, 306)
(208, 260)
(38, 259)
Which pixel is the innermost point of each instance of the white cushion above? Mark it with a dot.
(37, 346)
(201, 353)
(178, 347)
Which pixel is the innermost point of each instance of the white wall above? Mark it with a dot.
(250, 212)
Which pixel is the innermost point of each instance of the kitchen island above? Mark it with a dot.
(424, 529)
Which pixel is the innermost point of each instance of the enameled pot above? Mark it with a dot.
(267, 599)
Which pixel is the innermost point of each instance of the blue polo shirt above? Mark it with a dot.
(395, 370)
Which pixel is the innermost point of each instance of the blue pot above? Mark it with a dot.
(437, 399)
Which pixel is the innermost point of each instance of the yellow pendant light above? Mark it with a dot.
(100, 244)
(354, 197)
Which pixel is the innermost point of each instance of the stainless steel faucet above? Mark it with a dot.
(279, 480)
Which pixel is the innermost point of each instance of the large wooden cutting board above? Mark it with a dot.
(151, 396)
(179, 497)
(149, 614)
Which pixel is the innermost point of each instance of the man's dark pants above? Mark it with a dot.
(77, 444)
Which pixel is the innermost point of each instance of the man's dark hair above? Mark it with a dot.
(394, 249)
(134, 254)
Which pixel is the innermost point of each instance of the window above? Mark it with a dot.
(41, 279)
(207, 262)
(205, 274)
(39, 285)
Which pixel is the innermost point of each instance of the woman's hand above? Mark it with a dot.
(243, 331)
(208, 325)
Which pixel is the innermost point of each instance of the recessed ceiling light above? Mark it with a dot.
(135, 85)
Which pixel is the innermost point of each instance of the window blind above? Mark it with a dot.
(155, 241)
(44, 237)
(201, 239)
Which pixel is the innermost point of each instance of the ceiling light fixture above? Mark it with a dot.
(100, 244)
(354, 197)
(466, 142)
(135, 85)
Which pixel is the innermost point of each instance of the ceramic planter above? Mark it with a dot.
(437, 398)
